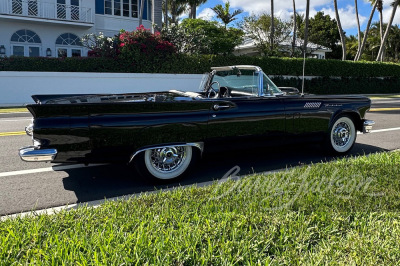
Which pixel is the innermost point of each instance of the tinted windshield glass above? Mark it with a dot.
(269, 88)
(239, 82)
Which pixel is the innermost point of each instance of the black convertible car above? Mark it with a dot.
(164, 132)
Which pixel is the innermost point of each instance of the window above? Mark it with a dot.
(125, 8)
(18, 50)
(108, 7)
(134, 9)
(117, 7)
(32, 8)
(74, 9)
(25, 43)
(61, 9)
(16, 7)
(25, 7)
(69, 45)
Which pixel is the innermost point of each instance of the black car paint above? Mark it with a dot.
(111, 131)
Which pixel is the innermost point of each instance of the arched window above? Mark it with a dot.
(25, 43)
(68, 45)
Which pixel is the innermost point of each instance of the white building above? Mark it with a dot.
(249, 47)
(53, 27)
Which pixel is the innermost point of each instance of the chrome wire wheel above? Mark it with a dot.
(343, 134)
(168, 162)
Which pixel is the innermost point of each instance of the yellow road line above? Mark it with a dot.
(384, 109)
(13, 110)
(18, 133)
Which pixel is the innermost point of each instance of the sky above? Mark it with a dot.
(284, 10)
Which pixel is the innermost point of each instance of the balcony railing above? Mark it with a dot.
(44, 10)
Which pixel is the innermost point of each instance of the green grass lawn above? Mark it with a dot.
(343, 212)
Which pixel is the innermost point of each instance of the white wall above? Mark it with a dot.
(16, 88)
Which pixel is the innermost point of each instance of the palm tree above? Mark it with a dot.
(294, 27)
(224, 14)
(193, 4)
(394, 42)
(176, 8)
(374, 40)
(358, 25)
(395, 5)
(272, 26)
(380, 10)
(361, 49)
(342, 36)
(351, 46)
(166, 14)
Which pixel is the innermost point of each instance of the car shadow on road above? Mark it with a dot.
(108, 181)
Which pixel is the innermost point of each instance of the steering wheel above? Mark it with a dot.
(211, 92)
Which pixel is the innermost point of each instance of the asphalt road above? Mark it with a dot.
(34, 186)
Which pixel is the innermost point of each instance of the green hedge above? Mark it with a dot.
(201, 64)
(354, 77)
(345, 85)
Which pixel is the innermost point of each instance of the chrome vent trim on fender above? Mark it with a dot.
(312, 105)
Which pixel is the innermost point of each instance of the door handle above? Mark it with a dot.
(218, 107)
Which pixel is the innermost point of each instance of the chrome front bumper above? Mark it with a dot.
(368, 126)
(31, 154)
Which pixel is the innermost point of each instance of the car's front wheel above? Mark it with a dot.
(166, 163)
(342, 135)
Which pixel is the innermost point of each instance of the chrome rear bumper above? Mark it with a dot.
(368, 126)
(30, 154)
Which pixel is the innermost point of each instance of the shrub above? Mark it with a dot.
(144, 50)
(334, 77)
(100, 45)
(197, 36)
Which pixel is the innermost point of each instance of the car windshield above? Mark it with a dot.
(269, 88)
(244, 82)
(239, 82)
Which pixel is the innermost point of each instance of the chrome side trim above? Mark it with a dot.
(31, 154)
(367, 127)
(199, 145)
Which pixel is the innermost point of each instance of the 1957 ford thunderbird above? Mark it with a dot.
(163, 133)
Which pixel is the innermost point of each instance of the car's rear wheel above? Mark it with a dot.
(166, 163)
(342, 135)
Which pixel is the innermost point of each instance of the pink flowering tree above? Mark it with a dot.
(141, 47)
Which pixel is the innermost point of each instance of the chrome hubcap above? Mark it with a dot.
(167, 159)
(341, 134)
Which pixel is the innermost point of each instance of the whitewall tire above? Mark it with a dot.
(342, 135)
(165, 163)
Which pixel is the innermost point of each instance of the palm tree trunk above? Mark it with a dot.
(381, 32)
(193, 10)
(272, 26)
(358, 25)
(294, 28)
(342, 37)
(141, 12)
(166, 14)
(361, 49)
(173, 11)
(389, 25)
